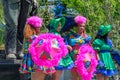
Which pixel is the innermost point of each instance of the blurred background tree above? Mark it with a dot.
(1, 26)
(97, 12)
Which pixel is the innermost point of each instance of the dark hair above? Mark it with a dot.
(104, 38)
(69, 24)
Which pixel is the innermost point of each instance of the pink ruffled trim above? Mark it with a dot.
(46, 47)
(35, 21)
(83, 72)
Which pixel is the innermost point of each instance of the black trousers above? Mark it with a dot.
(24, 13)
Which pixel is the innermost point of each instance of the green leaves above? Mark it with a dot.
(99, 12)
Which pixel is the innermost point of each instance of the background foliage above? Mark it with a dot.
(1, 25)
(97, 12)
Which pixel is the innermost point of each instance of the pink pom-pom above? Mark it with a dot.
(35, 21)
(44, 43)
(80, 19)
(84, 51)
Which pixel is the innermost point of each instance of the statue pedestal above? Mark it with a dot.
(2, 54)
(9, 70)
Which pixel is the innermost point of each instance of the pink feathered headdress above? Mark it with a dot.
(80, 19)
(35, 21)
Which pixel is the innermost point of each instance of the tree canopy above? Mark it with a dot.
(97, 12)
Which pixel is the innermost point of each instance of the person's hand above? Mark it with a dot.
(69, 47)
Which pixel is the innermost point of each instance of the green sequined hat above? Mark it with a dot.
(55, 22)
(104, 29)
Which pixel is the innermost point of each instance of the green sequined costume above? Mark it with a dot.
(66, 62)
(103, 49)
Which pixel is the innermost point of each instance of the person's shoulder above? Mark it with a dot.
(88, 37)
(109, 42)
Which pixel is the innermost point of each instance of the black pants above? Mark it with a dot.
(24, 12)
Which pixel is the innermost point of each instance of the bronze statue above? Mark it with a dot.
(15, 14)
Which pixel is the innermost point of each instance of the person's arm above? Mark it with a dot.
(66, 42)
(96, 47)
(97, 56)
(69, 47)
(34, 8)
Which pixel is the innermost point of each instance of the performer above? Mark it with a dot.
(66, 62)
(31, 30)
(76, 40)
(103, 46)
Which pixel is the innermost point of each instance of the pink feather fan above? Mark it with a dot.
(47, 50)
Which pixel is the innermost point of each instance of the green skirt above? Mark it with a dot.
(107, 60)
(108, 69)
(65, 63)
